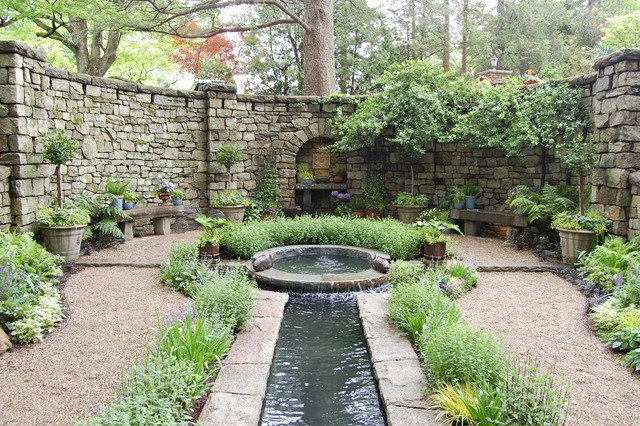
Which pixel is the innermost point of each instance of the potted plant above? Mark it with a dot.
(458, 199)
(358, 206)
(375, 195)
(208, 241)
(409, 206)
(62, 225)
(164, 192)
(232, 204)
(117, 188)
(341, 201)
(470, 192)
(338, 172)
(435, 243)
(228, 155)
(578, 230)
(520, 199)
(176, 197)
(304, 174)
(129, 200)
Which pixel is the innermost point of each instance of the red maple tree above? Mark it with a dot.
(192, 53)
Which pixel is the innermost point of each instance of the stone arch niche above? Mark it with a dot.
(315, 197)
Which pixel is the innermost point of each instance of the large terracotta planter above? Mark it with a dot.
(408, 214)
(234, 214)
(573, 242)
(209, 250)
(63, 240)
(435, 251)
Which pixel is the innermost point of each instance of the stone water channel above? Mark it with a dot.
(315, 353)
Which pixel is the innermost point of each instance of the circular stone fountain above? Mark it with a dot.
(320, 268)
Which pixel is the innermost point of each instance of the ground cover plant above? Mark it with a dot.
(400, 241)
(162, 387)
(30, 301)
(471, 376)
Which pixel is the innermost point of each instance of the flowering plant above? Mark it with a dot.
(341, 199)
(339, 196)
(165, 187)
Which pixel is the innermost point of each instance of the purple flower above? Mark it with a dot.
(340, 196)
(347, 196)
(619, 279)
(334, 194)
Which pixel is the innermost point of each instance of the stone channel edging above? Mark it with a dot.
(395, 365)
(237, 394)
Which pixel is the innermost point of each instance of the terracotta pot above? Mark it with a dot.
(209, 250)
(573, 242)
(164, 196)
(338, 179)
(408, 214)
(374, 214)
(359, 213)
(435, 251)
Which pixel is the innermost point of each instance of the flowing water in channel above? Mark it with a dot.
(321, 372)
(321, 264)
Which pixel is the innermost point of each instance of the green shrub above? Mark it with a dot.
(532, 396)
(609, 262)
(611, 317)
(162, 388)
(67, 215)
(29, 299)
(183, 251)
(460, 354)
(400, 241)
(629, 293)
(403, 272)
(457, 278)
(411, 307)
(226, 297)
(184, 275)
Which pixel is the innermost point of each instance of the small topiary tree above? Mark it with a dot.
(59, 149)
(579, 158)
(228, 155)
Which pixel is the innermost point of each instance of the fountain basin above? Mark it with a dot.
(369, 272)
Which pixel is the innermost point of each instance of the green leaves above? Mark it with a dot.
(59, 149)
(228, 155)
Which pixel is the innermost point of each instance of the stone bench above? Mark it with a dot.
(160, 217)
(473, 220)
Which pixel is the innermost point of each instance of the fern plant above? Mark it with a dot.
(544, 205)
(103, 228)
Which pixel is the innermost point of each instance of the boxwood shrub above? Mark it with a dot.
(400, 241)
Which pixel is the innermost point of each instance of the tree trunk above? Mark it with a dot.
(543, 166)
(59, 185)
(581, 189)
(93, 55)
(447, 38)
(465, 36)
(319, 59)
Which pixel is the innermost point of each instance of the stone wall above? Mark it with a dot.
(150, 134)
(617, 129)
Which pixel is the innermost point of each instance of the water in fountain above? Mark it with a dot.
(321, 264)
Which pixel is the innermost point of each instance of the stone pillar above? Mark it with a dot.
(617, 130)
(20, 68)
(222, 128)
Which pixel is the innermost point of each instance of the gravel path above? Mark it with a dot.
(150, 248)
(545, 315)
(493, 251)
(113, 315)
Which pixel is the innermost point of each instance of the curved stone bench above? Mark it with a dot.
(160, 217)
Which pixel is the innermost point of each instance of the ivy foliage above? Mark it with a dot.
(423, 106)
(418, 100)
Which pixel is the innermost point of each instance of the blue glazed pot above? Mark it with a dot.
(177, 201)
(117, 203)
(470, 202)
(127, 205)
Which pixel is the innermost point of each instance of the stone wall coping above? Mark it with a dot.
(10, 46)
(615, 57)
(580, 80)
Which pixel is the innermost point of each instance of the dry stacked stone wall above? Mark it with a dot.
(150, 134)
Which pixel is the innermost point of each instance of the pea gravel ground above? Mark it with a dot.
(113, 314)
(544, 315)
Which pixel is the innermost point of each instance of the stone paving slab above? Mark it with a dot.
(231, 409)
(238, 392)
(395, 365)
